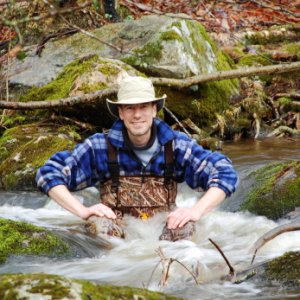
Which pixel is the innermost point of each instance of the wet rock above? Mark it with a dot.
(275, 191)
(44, 286)
(24, 149)
(20, 238)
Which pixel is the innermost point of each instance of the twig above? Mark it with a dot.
(232, 272)
(166, 264)
(177, 121)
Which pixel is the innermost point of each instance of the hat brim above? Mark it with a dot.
(113, 106)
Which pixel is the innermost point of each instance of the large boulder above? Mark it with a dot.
(275, 190)
(167, 46)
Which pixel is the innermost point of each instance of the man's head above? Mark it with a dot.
(135, 90)
(136, 107)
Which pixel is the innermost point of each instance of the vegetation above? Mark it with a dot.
(20, 238)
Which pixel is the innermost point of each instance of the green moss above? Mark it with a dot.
(18, 170)
(20, 238)
(285, 269)
(254, 60)
(145, 55)
(97, 292)
(60, 87)
(284, 100)
(275, 190)
(171, 35)
(58, 288)
(293, 48)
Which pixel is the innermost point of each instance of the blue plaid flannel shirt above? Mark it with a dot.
(87, 164)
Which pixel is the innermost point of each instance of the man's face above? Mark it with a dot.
(138, 119)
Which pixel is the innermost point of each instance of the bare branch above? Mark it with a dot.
(232, 272)
(87, 98)
(279, 95)
(268, 236)
(230, 74)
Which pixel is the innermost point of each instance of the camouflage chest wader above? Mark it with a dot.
(141, 196)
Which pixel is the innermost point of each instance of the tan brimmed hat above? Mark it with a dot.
(135, 90)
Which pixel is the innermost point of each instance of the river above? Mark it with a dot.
(133, 261)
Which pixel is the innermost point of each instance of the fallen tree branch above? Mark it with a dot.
(170, 82)
(230, 74)
(279, 95)
(284, 130)
(292, 226)
(87, 98)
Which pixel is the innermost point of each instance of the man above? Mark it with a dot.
(138, 164)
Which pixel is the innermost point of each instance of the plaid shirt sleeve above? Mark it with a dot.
(201, 168)
(78, 169)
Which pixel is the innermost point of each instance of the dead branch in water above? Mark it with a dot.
(166, 264)
(293, 226)
(281, 130)
(232, 272)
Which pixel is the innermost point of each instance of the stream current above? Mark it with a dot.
(135, 262)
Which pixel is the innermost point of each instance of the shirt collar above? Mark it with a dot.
(164, 133)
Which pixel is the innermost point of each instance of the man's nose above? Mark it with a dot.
(137, 112)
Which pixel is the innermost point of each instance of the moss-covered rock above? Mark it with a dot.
(25, 148)
(285, 270)
(275, 190)
(27, 286)
(20, 238)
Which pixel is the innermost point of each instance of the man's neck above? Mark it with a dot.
(140, 142)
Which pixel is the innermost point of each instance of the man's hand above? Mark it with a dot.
(180, 217)
(99, 210)
(63, 197)
(211, 199)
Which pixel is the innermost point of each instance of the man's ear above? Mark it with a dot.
(154, 108)
(120, 112)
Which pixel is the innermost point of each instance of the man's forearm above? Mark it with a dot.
(64, 198)
(211, 199)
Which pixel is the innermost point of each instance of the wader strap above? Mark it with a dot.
(169, 166)
(113, 168)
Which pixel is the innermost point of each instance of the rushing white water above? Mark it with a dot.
(135, 261)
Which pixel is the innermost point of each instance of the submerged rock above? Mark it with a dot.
(44, 286)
